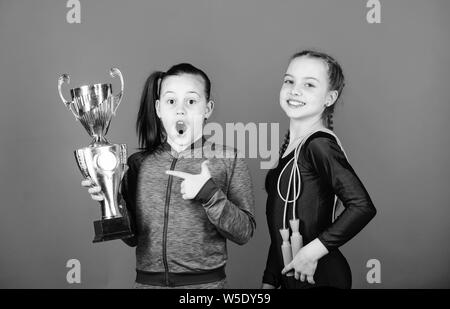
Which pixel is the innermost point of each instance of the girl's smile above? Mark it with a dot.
(295, 103)
(305, 88)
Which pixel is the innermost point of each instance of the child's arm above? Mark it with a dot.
(332, 166)
(272, 273)
(125, 199)
(232, 214)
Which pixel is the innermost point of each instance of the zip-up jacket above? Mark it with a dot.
(177, 236)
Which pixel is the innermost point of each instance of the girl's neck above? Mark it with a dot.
(179, 148)
(300, 128)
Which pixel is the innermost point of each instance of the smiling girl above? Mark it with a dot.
(313, 170)
(185, 195)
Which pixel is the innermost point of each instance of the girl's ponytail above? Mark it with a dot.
(148, 126)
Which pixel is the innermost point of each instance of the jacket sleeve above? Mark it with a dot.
(127, 199)
(332, 166)
(232, 213)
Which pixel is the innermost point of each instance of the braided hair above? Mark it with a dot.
(336, 82)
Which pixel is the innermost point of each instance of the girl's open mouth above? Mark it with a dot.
(180, 126)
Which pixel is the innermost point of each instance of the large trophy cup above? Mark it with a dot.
(102, 162)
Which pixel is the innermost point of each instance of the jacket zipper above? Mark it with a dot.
(166, 220)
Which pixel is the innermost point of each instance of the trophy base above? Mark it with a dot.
(110, 229)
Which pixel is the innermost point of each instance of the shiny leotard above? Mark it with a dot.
(324, 172)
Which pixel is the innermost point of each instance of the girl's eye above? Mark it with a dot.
(171, 101)
(288, 81)
(309, 85)
(191, 101)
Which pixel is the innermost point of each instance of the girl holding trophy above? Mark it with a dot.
(312, 175)
(185, 195)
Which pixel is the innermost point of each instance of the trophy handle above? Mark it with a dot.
(81, 161)
(64, 78)
(123, 158)
(118, 97)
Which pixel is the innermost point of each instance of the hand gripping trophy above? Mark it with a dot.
(101, 162)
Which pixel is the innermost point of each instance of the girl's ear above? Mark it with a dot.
(209, 109)
(331, 98)
(157, 108)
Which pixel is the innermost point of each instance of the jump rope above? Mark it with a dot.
(290, 248)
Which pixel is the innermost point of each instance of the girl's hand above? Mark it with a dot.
(305, 261)
(304, 266)
(192, 184)
(94, 190)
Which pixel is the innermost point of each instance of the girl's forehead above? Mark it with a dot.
(183, 83)
(307, 66)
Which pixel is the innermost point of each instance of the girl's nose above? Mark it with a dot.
(181, 111)
(295, 91)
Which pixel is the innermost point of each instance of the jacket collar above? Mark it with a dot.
(198, 144)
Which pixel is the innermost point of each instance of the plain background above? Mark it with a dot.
(393, 123)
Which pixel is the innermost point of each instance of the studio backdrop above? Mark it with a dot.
(393, 122)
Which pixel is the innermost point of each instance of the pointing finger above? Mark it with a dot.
(178, 174)
(185, 197)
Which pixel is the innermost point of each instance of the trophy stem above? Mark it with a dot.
(99, 140)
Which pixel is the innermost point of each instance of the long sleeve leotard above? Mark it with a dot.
(325, 172)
